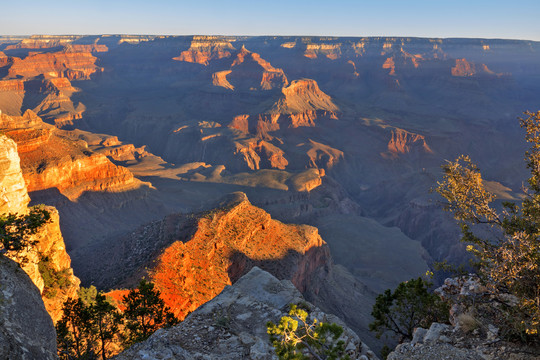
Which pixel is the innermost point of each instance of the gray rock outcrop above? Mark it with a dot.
(470, 335)
(26, 329)
(233, 325)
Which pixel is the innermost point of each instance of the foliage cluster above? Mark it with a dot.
(53, 280)
(506, 243)
(296, 337)
(16, 230)
(92, 327)
(409, 306)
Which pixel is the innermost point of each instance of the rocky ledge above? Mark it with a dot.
(471, 334)
(233, 325)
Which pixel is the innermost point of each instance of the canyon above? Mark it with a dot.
(135, 139)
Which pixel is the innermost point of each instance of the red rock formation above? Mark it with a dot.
(42, 42)
(51, 158)
(240, 122)
(404, 142)
(331, 51)
(86, 48)
(259, 154)
(4, 59)
(390, 64)
(323, 156)
(227, 243)
(250, 72)
(206, 48)
(50, 98)
(73, 65)
(12, 85)
(464, 68)
(220, 79)
(50, 247)
(303, 95)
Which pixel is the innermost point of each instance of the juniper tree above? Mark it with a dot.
(509, 259)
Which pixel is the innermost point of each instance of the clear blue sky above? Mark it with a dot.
(510, 19)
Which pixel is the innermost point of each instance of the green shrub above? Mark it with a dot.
(294, 337)
(53, 280)
(409, 306)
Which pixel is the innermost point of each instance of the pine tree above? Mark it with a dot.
(75, 331)
(145, 312)
(106, 321)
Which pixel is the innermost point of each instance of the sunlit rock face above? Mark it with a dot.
(14, 196)
(49, 243)
(50, 251)
(206, 48)
(70, 63)
(53, 158)
(249, 72)
(404, 142)
(224, 244)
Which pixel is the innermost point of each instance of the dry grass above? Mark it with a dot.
(467, 322)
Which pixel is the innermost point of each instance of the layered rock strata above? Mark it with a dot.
(53, 158)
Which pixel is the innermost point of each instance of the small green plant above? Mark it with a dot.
(88, 295)
(53, 280)
(295, 337)
(409, 306)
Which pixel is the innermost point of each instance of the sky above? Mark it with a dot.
(515, 19)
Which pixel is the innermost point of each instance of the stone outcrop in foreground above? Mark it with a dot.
(26, 330)
(233, 325)
(471, 334)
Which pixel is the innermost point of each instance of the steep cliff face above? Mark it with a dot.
(70, 64)
(203, 49)
(250, 72)
(50, 98)
(48, 257)
(330, 51)
(26, 330)
(304, 95)
(464, 68)
(259, 154)
(49, 266)
(14, 196)
(53, 158)
(404, 142)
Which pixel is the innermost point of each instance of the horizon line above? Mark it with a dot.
(270, 35)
